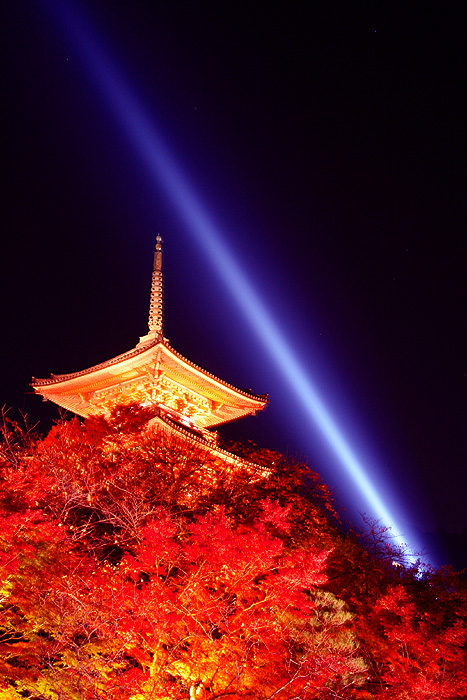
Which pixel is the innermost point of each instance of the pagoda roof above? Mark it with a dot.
(135, 373)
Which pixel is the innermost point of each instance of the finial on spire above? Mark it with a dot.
(156, 305)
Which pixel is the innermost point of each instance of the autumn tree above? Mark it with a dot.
(410, 619)
(139, 565)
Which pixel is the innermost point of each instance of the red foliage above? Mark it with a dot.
(136, 566)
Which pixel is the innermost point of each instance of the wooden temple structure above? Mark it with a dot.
(186, 398)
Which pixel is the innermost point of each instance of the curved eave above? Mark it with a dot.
(261, 398)
(214, 450)
(70, 390)
(55, 379)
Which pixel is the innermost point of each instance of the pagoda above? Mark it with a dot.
(185, 397)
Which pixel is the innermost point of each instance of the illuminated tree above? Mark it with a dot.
(137, 566)
(411, 621)
(129, 573)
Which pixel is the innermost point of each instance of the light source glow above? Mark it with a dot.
(168, 176)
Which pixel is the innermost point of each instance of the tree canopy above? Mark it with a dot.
(135, 564)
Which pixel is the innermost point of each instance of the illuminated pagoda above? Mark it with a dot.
(186, 398)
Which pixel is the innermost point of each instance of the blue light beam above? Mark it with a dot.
(168, 175)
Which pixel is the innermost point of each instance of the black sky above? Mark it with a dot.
(328, 140)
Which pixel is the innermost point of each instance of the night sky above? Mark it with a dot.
(328, 142)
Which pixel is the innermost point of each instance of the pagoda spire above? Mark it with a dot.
(156, 304)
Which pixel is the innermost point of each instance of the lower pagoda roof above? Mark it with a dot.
(152, 373)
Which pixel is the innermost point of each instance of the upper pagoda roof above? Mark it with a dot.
(151, 373)
(134, 376)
